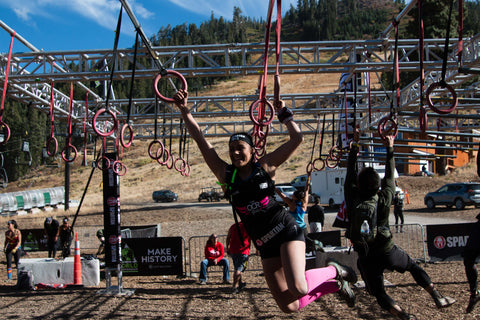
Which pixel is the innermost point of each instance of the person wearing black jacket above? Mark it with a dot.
(470, 257)
(382, 253)
(316, 216)
(52, 228)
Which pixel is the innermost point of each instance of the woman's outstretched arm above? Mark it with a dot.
(214, 162)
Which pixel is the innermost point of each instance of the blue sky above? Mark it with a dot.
(59, 25)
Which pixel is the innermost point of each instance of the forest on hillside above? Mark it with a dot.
(309, 20)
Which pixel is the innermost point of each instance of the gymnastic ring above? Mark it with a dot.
(164, 153)
(156, 156)
(51, 140)
(94, 122)
(72, 148)
(387, 125)
(182, 166)
(119, 168)
(100, 163)
(122, 134)
(445, 85)
(174, 73)
(187, 171)
(309, 168)
(261, 122)
(7, 134)
(335, 153)
(322, 162)
(170, 161)
(331, 163)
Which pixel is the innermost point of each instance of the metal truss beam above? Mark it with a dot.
(32, 73)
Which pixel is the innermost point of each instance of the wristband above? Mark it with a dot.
(285, 115)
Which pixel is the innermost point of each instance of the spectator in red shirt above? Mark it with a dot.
(214, 255)
(238, 247)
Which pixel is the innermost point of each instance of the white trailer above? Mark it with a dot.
(328, 185)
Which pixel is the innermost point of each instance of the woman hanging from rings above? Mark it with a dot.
(249, 186)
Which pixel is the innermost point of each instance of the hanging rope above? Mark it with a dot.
(85, 131)
(422, 117)
(52, 143)
(69, 148)
(127, 125)
(388, 124)
(118, 166)
(161, 148)
(163, 160)
(309, 167)
(262, 111)
(169, 164)
(319, 163)
(335, 153)
(3, 125)
(460, 32)
(105, 162)
(442, 83)
(107, 110)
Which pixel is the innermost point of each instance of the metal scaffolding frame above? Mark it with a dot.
(32, 73)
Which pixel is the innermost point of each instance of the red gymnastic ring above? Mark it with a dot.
(441, 84)
(161, 148)
(387, 126)
(114, 118)
(119, 168)
(320, 166)
(100, 163)
(55, 146)
(64, 153)
(174, 73)
(261, 122)
(122, 135)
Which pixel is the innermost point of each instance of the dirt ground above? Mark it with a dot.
(169, 297)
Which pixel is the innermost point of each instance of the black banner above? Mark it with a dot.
(152, 256)
(111, 212)
(446, 242)
(34, 240)
(328, 238)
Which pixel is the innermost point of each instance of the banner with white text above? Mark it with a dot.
(446, 242)
(152, 256)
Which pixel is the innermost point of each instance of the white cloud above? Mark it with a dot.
(102, 12)
(250, 8)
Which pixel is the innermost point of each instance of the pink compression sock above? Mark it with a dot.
(320, 281)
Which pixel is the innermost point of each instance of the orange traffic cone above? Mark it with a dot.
(77, 263)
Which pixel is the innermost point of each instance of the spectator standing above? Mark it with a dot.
(66, 236)
(51, 228)
(398, 210)
(214, 255)
(238, 247)
(316, 216)
(12, 246)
